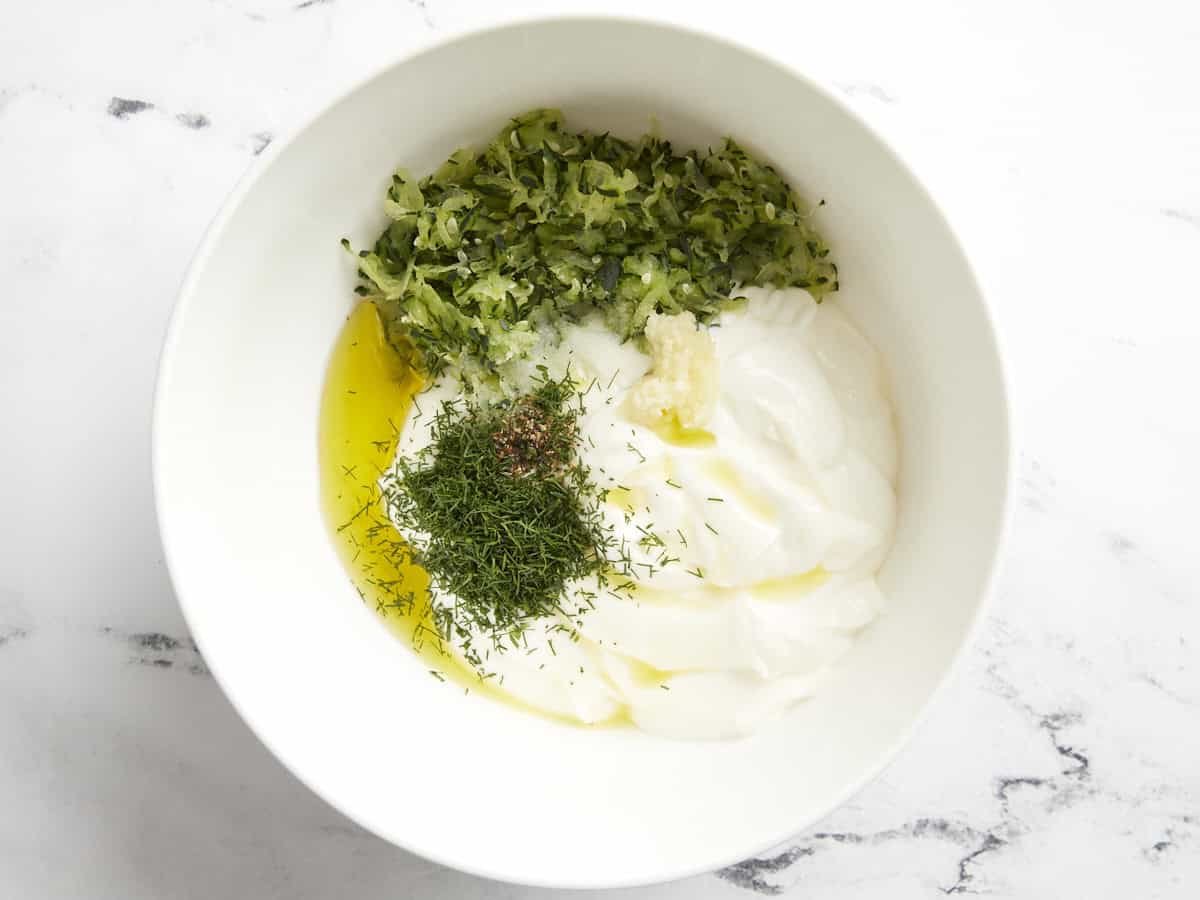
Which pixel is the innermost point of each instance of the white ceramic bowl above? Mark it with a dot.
(348, 708)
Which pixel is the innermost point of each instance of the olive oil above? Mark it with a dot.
(724, 474)
(671, 432)
(789, 587)
(628, 500)
(644, 675)
(369, 389)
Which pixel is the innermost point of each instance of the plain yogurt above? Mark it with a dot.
(769, 520)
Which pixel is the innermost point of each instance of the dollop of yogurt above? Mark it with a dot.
(754, 538)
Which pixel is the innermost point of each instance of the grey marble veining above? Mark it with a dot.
(1061, 137)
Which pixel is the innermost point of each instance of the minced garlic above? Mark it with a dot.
(681, 387)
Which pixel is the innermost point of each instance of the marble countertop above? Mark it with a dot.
(1063, 138)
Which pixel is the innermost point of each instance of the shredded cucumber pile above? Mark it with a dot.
(545, 223)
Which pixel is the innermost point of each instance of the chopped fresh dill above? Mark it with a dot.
(500, 512)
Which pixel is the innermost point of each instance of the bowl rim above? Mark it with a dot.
(213, 234)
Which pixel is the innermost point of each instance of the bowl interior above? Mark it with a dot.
(349, 709)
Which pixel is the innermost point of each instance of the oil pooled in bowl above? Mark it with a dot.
(369, 389)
